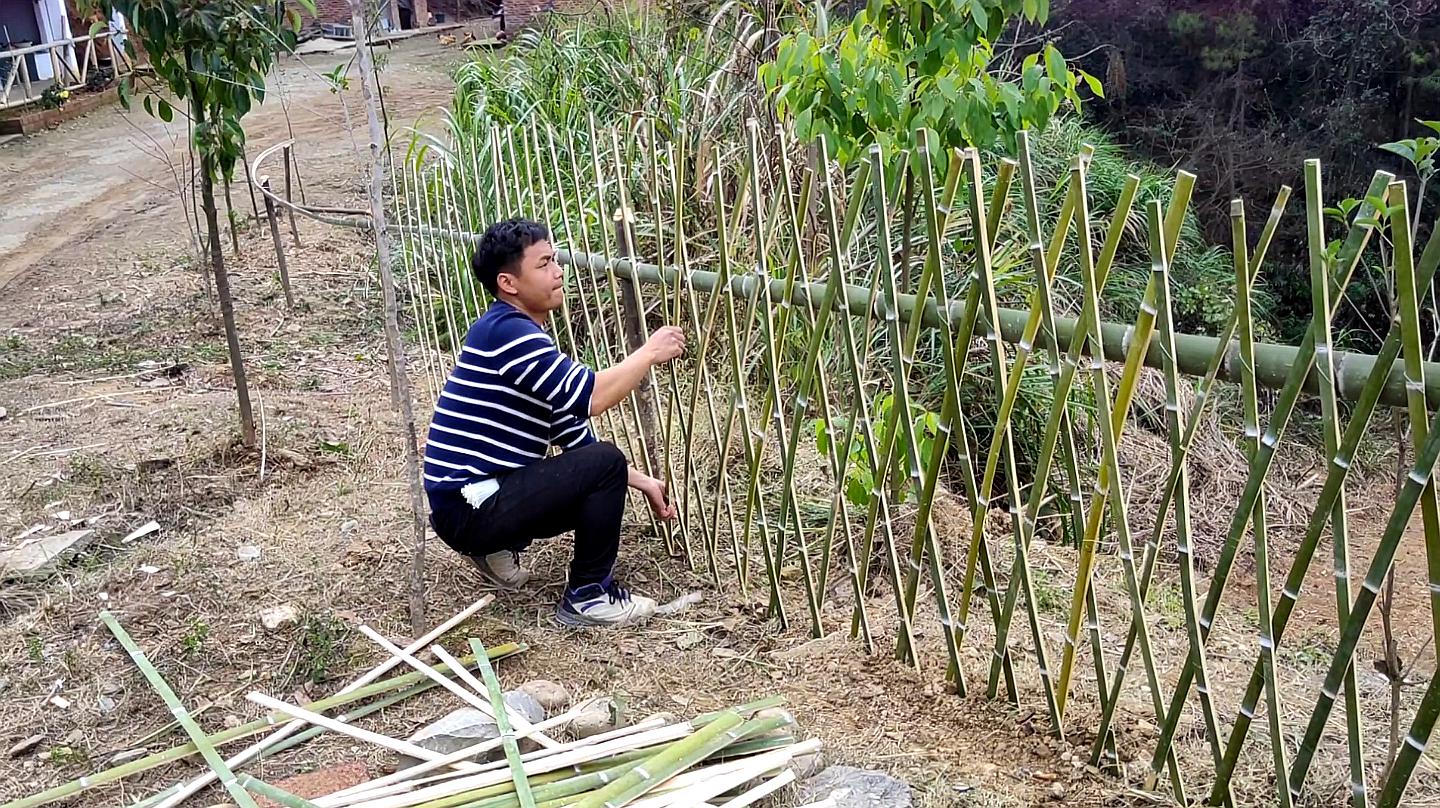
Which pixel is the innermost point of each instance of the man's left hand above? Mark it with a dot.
(655, 494)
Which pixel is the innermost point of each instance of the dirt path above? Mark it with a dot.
(68, 185)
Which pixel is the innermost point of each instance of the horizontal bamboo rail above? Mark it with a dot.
(1193, 351)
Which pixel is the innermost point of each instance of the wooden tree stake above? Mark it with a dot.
(399, 380)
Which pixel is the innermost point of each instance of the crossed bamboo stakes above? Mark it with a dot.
(789, 283)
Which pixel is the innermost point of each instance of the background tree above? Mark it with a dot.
(902, 66)
(212, 55)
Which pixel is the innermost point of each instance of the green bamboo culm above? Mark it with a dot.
(502, 723)
(677, 758)
(207, 750)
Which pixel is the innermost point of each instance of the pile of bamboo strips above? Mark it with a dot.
(729, 758)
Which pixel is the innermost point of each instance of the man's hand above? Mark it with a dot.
(665, 344)
(655, 494)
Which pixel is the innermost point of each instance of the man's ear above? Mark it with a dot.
(505, 282)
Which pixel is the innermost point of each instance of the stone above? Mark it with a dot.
(807, 766)
(602, 715)
(551, 696)
(467, 726)
(856, 788)
(277, 616)
(321, 782)
(40, 557)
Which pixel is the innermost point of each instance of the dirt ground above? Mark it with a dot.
(120, 411)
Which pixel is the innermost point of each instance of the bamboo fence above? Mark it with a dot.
(848, 409)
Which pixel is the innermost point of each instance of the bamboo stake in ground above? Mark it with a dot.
(395, 349)
(279, 248)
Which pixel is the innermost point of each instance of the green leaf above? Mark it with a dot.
(166, 113)
(149, 110)
(1404, 148)
(1094, 83)
(1055, 65)
(97, 26)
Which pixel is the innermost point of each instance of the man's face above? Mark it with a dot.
(539, 283)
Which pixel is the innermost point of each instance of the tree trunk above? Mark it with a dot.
(222, 290)
(399, 380)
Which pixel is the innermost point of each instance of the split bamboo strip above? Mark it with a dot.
(197, 737)
(549, 763)
(274, 794)
(449, 684)
(458, 755)
(655, 770)
(761, 791)
(245, 730)
(403, 747)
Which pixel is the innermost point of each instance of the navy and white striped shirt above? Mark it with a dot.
(511, 397)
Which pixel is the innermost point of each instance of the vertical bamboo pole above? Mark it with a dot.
(1321, 308)
(294, 229)
(633, 330)
(1245, 277)
(279, 248)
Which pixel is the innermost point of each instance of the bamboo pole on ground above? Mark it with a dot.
(197, 737)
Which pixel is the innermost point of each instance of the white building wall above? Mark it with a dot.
(54, 25)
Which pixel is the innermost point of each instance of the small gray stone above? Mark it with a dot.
(40, 557)
(856, 788)
(550, 695)
(602, 715)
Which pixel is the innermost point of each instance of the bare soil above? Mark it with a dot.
(120, 411)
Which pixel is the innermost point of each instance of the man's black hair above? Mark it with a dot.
(502, 247)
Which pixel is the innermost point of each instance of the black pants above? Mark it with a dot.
(581, 490)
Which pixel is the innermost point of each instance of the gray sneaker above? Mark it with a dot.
(604, 604)
(502, 569)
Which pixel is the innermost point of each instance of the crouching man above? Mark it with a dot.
(511, 397)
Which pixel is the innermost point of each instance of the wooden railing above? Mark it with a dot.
(74, 60)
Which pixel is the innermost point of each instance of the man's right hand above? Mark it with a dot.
(665, 344)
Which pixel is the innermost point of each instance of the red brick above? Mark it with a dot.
(322, 782)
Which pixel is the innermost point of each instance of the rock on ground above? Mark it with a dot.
(40, 557)
(856, 788)
(467, 726)
(552, 696)
(602, 715)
